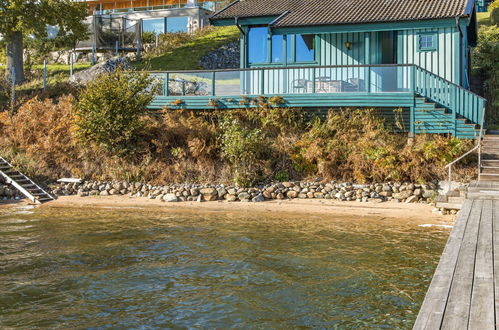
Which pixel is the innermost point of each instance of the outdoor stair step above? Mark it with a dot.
(45, 199)
(490, 162)
(489, 157)
(449, 206)
(484, 194)
(489, 177)
(490, 170)
(459, 199)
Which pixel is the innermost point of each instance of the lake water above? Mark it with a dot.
(136, 268)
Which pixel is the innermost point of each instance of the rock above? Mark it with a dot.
(230, 198)
(69, 180)
(224, 57)
(170, 198)
(412, 199)
(199, 199)
(258, 198)
(104, 193)
(267, 194)
(292, 194)
(417, 192)
(243, 195)
(429, 194)
(319, 195)
(209, 194)
(402, 195)
(88, 75)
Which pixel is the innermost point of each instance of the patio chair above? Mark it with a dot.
(300, 84)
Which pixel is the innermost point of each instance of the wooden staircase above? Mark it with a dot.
(489, 167)
(24, 184)
(431, 117)
(487, 186)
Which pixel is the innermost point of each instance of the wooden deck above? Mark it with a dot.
(464, 292)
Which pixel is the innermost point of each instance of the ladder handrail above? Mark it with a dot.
(21, 188)
(477, 146)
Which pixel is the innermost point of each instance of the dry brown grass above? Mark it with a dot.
(182, 146)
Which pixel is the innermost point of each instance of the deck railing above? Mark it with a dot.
(460, 101)
(288, 80)
(364, 79)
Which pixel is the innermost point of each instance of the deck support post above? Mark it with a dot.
(313, 80)
(262, 82)
(213, 83)
(412, 119)
(165, 84)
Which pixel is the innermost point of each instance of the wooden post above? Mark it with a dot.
(165, 84)
(313, 81)
(368, 79)
(262, 82)
(213, 83)
(44, 74)
(71, 64)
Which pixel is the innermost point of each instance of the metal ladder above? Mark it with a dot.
(25, 185)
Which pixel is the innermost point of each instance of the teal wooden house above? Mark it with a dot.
(316, 54)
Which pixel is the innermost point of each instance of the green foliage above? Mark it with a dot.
(282, 176)
(493, 5)
(148, 37)
(494, 16)
(110, 110)
(32, 17)
(485, 59)
(243, 148)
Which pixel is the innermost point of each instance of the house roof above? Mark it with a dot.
(331, 12)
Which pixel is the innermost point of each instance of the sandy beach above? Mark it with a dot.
(416, 213)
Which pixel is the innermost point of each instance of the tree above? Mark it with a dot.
(21, 18)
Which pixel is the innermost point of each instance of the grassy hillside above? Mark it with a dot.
(483, 18)
(183, 51)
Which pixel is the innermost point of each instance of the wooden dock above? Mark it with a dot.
(464, 292)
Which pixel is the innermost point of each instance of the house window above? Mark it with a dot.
(264, 48)
(156, 25)
(177, 24)
(427, 42)
(277, 49)
(305, 47)
(258, 45)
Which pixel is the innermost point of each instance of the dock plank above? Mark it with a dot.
(432, 310)
(495, 239)
(482, 299)
(457, 311)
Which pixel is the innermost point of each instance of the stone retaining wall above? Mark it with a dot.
(379, 192)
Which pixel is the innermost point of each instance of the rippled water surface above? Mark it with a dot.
(96, 268)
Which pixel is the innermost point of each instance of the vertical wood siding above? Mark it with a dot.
(443, 62)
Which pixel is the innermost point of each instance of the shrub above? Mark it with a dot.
(356, 144)
(110, 110)
(243, 148)
(485, 58)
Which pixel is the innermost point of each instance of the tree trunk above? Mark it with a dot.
(15, 57)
